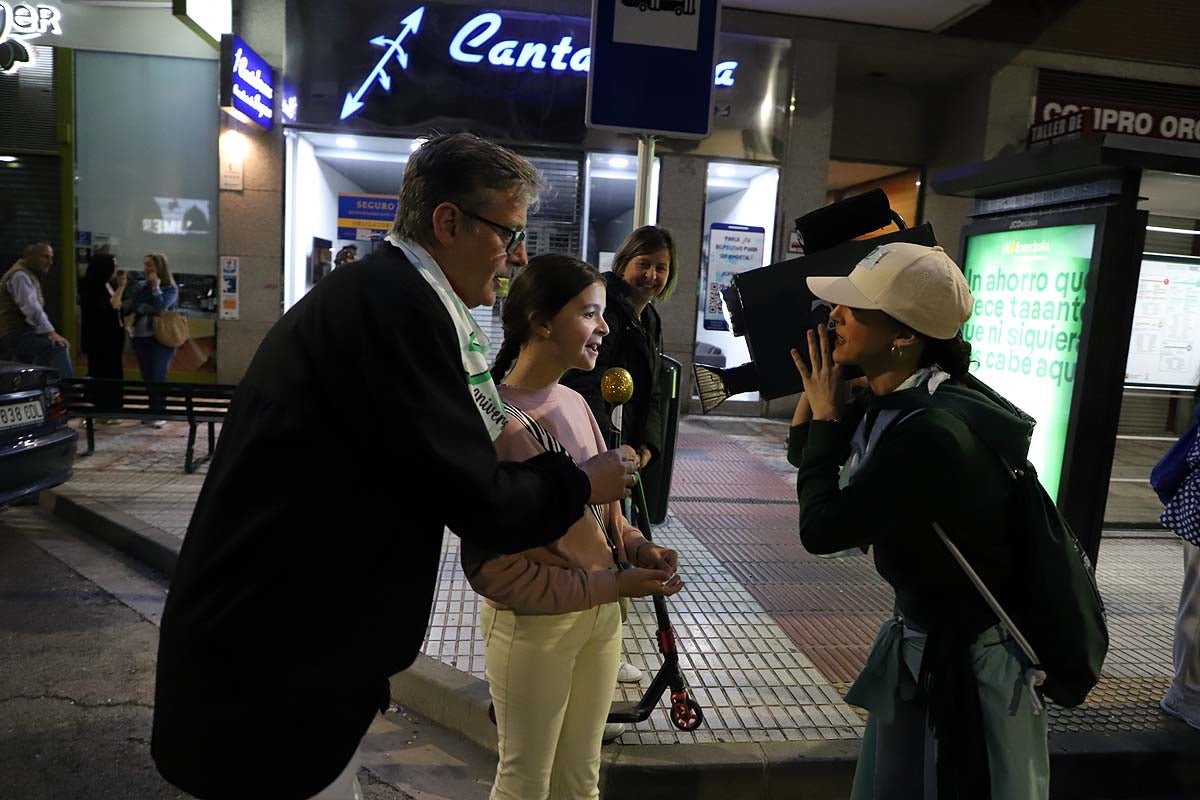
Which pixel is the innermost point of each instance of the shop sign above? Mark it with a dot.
(1059, 129)
(1113, 118)
(19, 23)
(247, 83)
(366, 217)
(490, 42)
(210, 19)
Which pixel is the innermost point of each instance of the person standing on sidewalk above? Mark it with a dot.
(101, 298)
(363, 427)
(950, 715)
(644, 273)
(551, 619)
(26, 333)
(1182, 515)
(158, 293)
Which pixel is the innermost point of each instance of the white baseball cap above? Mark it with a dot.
(919, 286)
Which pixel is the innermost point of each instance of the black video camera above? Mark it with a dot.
(774, 309)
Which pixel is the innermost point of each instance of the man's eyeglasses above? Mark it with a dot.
(515, 236)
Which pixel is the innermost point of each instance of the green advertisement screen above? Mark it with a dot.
(1029, 288)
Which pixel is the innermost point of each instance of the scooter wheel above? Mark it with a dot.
(690, 720)
(492, 713)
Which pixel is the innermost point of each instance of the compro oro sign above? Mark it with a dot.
(247, 83)
(20, 24)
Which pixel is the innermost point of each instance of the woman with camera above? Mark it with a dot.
(950, 713)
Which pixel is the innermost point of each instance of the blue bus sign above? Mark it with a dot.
(652, 65)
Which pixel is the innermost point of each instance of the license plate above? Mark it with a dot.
(19, 415)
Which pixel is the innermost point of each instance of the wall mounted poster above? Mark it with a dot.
(732, 250)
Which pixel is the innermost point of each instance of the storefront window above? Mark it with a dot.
(739, 226)
(342, 193)
(147, 169)
(611, 192)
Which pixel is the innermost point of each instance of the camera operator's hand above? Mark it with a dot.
(823, 381)
(611, 474)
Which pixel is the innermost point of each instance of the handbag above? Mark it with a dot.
(1173, 468)
(171, 329)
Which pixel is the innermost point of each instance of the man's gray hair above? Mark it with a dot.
(28, 251)
(457, 168)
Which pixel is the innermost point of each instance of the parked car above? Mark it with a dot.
(37, 449)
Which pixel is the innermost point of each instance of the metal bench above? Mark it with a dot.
(193, 403)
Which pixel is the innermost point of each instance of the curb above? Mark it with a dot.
(128, 534)
(1085, 766)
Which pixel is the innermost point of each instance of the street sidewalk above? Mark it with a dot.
(770, 636)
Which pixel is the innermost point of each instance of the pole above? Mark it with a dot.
(641, 202)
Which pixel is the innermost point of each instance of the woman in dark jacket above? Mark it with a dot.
(100, 297)
(644, 271)
(952, 714)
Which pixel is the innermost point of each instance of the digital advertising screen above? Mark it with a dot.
(1164, 348)
(1030, 287)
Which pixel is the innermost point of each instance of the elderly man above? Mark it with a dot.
(308, 570)
(26, 333)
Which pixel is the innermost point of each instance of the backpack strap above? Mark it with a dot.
(547, 442)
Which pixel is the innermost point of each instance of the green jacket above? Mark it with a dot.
(936, 465)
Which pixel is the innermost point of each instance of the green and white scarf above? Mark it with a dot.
(471, 339)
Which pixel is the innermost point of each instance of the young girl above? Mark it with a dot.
(551, 620)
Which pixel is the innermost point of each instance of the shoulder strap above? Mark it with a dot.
(547, 442)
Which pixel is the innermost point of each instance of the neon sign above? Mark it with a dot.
(247, 83)
(289, 106)
(392, 47)
(18, 24)
(483, 28)
(475, 43)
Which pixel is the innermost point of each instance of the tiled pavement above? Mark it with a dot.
(770, 635)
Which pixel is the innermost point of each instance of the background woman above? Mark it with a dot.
(158, 293)
(551, 620)
(644, 271)
(950, 714)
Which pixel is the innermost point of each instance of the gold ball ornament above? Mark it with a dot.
(616, 386)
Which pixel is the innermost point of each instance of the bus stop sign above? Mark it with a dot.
(652, 66)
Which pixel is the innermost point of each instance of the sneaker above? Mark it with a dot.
(1173, 706)
(628, 673)
(158, 423)
(612, 731)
